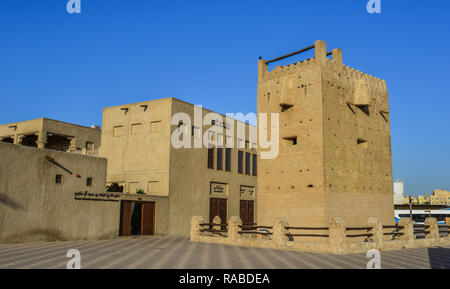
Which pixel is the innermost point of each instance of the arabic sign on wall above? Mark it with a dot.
(219, 189)
(106, 197)
(247, 192)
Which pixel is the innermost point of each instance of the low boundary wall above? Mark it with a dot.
(337, 238)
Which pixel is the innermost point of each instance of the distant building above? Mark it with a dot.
(418, 200)
(440, 197)
(398, 193)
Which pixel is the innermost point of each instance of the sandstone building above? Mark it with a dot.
(177, 183)
(440, 197)
(335, 144)
(334, 161)
(52, 134)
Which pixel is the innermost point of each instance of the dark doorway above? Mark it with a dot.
(30, 140)
(57, 142)
(218, 207)
(137, 218)
(125, 218)
(247, 212)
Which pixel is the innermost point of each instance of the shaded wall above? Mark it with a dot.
(35, 208)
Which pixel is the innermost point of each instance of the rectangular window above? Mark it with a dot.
(254, 165)
(118, 130)
(211, 158)
(154, 188)
(240, 159)
(58, 179)
(137, 128)
(228, 159)
(89, 145)
(247, 163)
(156, 126)
(220, 158)
(89, 182)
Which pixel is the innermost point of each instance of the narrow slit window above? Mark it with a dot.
(240, 160)
(220, 158)
(89, 182)
(254, 159)
(211, 158)
(247, 163)
(228, 159)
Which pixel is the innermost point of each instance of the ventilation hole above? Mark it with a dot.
(362, 143)
(310, 186)
(292, 139)
(285, 107)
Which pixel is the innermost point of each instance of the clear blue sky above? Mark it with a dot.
(68, 67)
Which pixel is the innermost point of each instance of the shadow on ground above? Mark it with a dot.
(439, 258)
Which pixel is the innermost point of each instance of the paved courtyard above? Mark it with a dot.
(173, 252)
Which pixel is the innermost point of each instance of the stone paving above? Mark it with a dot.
(180, 253)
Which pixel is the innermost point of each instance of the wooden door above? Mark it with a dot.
(247, 212)
(218, 207)
(251, 212)
(125, 218)
(148, 219)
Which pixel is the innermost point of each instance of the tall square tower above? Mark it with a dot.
(335, 146)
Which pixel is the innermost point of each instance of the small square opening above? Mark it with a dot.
(89, 182)
(58, 179)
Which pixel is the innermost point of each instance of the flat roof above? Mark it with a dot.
(54, 120)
